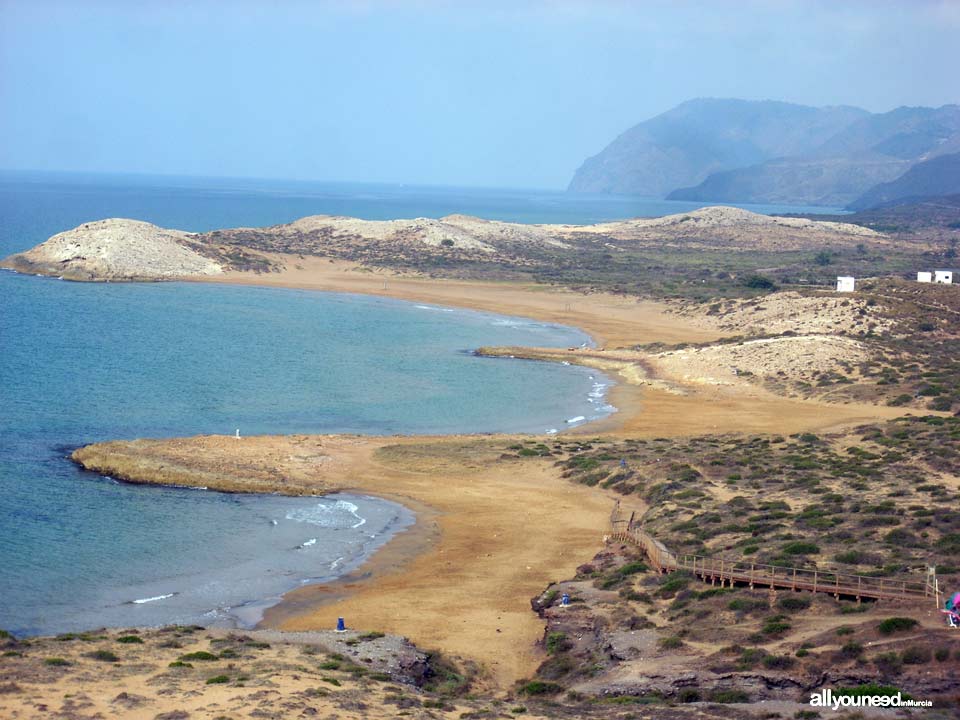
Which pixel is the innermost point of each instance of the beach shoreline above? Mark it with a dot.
(431, 582)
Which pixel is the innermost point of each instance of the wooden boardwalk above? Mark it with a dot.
(726, 572)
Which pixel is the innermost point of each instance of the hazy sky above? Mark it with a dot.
(496, 93)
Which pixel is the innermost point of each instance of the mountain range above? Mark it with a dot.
(729, 150)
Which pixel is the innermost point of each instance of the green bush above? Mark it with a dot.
(851, 557)
(759, 282)
(130, 639)
(778, 662)
(749, 657)
(775, 626)
(800, 548)
(56, 661)
(896, 624)
(539, 687)
(889, 663)
(180, 663)
(747, 605)
(729, 696)
(103, 656)
(199, 655)
(217, 680)
(631, 568)
(852, 649)
(916, 655)
(671, 642)
(557, 642)
(674, 582)
(794, 602)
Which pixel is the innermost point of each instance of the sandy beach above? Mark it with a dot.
(645, 408)
(491, 532)
(611, 320)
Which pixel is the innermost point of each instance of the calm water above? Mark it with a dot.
(86, 362)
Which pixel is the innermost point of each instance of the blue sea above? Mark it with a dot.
(81, 363)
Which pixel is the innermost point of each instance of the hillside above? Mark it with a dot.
(872, 150)
(120, 249)
(455, 245)
(769, 152)
(931, 178)
(684, 145)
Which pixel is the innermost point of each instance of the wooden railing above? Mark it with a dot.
(725, 571)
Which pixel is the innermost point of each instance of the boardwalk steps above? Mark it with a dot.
(729, 572)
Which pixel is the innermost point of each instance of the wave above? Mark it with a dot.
(339, 514)
(515, 324)
(141, 601)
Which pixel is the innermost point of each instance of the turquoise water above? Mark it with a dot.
(86, 362)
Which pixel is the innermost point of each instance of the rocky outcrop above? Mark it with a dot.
(115, 249)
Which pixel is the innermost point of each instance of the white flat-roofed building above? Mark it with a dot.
(845, 283)
(924, 277)
(943, 276)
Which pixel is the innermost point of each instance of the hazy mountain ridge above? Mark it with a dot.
(930, 178)
(683, 146)
(769, 152)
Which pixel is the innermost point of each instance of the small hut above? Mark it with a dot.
(924, 277)
(944, 277)
(845, 283)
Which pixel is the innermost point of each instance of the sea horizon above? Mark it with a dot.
(85, 547)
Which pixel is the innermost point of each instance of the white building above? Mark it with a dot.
(943, 276)
(924, 277)
(845, 284)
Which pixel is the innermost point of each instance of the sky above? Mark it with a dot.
(495, 94)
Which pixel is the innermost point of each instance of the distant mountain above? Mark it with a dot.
(769, 152)
(872, 150)
(683, 146)
(930, 178)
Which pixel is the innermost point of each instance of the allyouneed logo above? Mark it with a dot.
(828, 699)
